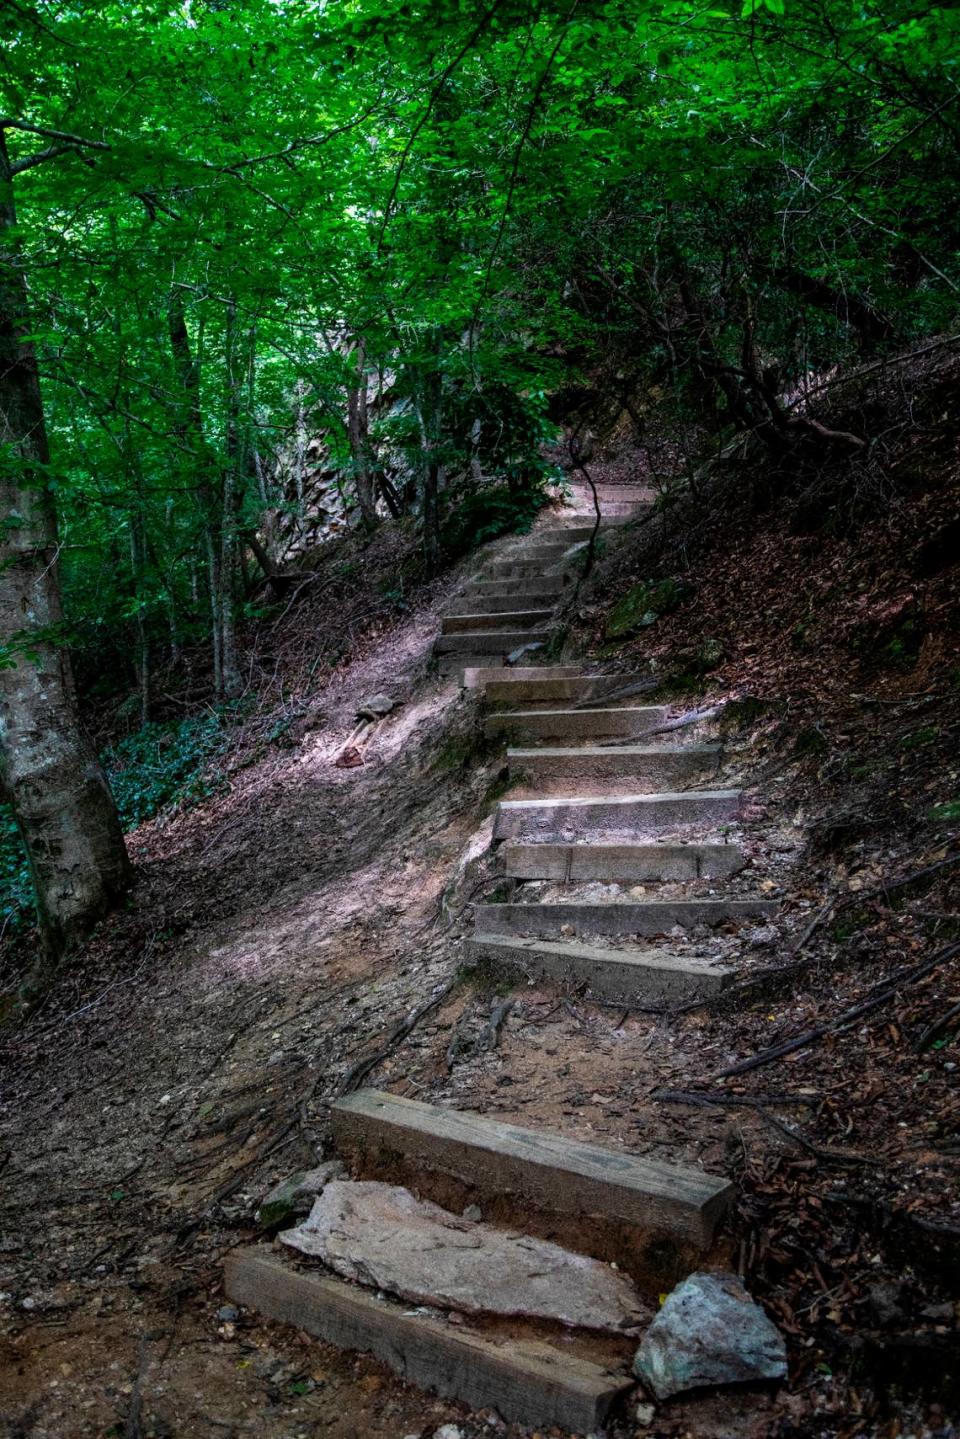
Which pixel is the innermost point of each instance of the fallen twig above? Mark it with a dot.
(885, 992)
(937, 1027)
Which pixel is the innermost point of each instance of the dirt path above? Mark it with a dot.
(279, 932)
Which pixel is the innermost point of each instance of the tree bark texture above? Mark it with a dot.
(62, 804)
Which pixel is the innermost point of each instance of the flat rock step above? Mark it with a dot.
(629, 815)
(527, 1380)
(575, 724)
(616, 919)
(497, 620)
(481, 642)
(475, 677)
(543, 1179)
(383, 1237)
(625, 976)
(619, 863)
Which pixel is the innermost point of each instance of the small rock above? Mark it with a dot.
(762, 936)
(294, 1197)
(709, 1333)
(646, 1414)
(376, 706)
(448, 1431)
(473, 1212)
(227, 1314)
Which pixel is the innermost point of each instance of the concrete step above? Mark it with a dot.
(528, 1380)
(484, 642)
(574, 724)
(470, 602)
(617, 919)
(550, 685)
(620, 863)
(628, 815)
(477, 676)
(607, 770)
(641, 1213)
(627, 976)
(499, 620)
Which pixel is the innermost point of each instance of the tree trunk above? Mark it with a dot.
(357, 431)
(62, 804)
(231, 682)
(190, 429)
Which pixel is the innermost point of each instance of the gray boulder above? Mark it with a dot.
(376, 706)
(294, 1196)
(709, 1333)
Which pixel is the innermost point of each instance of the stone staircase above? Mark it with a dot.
(613, 850)
(508, 604)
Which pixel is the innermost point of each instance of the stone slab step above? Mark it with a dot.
(620, 863)
(618, 919)
(514, 1171)
(477, 676)
(629, 815)
(628, 976)
(483, 642)
(575, 724)
(541, 600)
(528, 1381)
(515, 619)
(550, 769)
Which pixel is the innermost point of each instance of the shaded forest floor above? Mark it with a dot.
(286, 927)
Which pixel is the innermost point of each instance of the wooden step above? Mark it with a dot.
(455, 666)
(618, 919)
(476, 677)
(498, 620)
(526, 1379)
(482, 642)
(628, 863)
(470, 603)
(625, 976)
(551, 684)
(521, 569)
(554, 583)
(575, 724)
(601, 1201)
(600, 770)
(628, 815)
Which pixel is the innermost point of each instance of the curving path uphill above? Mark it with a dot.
(612, 844)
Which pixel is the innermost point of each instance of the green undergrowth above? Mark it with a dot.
(160, 767)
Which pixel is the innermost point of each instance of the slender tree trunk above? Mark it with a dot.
(229, 509)
(190, 429)
(357, 430)
(138, 550)
(62, 804)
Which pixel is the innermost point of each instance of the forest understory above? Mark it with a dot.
(292, 923)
